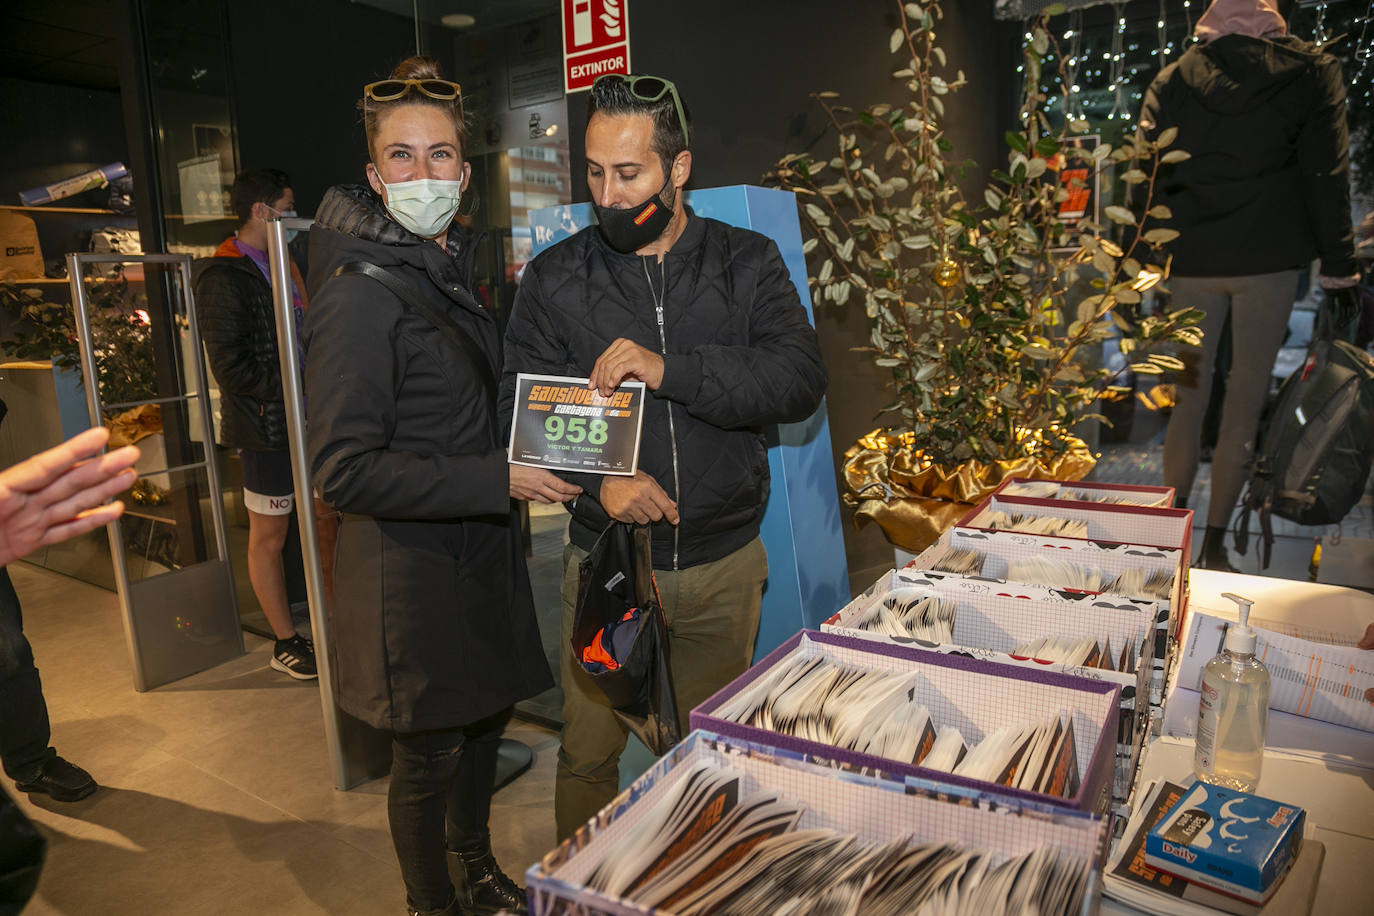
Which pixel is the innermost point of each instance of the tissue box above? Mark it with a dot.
(977, 697)
(874, 808)
(1231, 841)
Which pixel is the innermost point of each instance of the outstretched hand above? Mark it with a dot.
(57, 494)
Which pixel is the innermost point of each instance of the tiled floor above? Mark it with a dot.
(216, 794)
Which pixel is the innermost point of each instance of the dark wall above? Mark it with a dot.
(56, 132)
(299, 69)
(746, 69)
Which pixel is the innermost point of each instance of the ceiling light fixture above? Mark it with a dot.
(458, 20)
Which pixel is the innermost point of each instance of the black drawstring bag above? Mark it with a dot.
(616, 578)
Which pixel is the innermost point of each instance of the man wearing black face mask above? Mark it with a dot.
(707, 317)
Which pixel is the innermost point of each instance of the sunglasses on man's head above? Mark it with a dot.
(651, 89)
(391, 90)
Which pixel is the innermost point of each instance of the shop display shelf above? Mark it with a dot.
(86, 210)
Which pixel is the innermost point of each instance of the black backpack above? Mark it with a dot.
(1314, 449)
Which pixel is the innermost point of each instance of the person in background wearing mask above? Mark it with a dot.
(707, 317)
(1265, 190)
(433, 631)
(237, 322)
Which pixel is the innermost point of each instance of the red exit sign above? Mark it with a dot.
(596, 41)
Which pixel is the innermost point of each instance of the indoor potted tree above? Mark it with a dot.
(971, 302)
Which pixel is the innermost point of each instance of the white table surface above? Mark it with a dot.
(1326, 769)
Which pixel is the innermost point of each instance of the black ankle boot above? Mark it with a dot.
(454, 908)
(1213, 552)
(487, 889)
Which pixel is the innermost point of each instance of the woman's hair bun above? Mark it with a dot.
(417, 68)
(412, 68)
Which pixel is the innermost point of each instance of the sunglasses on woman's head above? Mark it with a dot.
(391, 90)
(651, 89)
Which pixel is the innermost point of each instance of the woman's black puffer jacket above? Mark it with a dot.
(433, 623)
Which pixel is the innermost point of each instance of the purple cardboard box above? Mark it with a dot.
(975, 696)
(871, 807)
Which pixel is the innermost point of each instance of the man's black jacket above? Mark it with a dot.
(239, 327)
(740, 354)
(1268, 184)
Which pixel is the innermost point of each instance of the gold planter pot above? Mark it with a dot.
(890, 481)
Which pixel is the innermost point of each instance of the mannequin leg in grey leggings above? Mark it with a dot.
(1259, 307)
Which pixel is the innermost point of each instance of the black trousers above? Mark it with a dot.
(22, 849)
(24, 728)
(440, 799)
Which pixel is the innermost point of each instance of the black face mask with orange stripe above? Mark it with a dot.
(634, 227)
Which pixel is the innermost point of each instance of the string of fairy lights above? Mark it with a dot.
(1117, 64)
(1321, 35)
(1362, 84)
(1105, 70)
(1073, 64)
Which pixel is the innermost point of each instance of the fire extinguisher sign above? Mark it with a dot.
(596, 41)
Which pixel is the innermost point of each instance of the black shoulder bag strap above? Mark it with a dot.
(447, 326)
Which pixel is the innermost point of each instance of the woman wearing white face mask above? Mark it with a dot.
(434, 635)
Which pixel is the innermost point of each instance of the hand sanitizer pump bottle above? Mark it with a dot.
(1233, 714)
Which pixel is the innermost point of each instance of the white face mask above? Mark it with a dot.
(425, 206)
